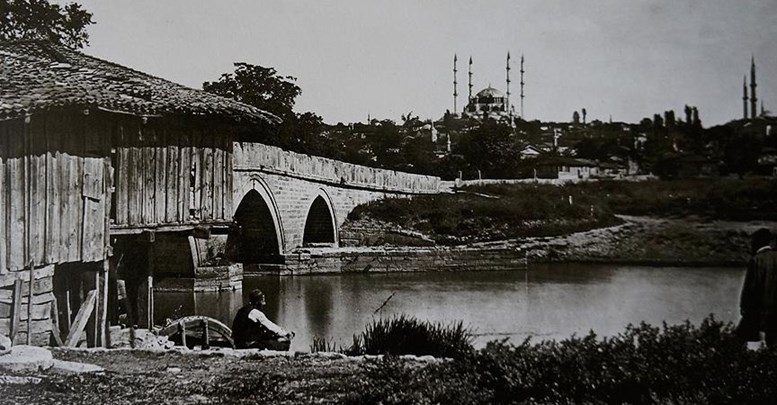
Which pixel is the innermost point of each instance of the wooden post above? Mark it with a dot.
(206, 334)
(68, 310)
(104, 335)
(97, 300)
(29, 304)
(182, 331)
(132, 336)
(17, 308)
(151, 260)
(150, 303)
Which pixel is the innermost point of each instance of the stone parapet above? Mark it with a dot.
(249, 156)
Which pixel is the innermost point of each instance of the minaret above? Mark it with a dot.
(470, 79)
(753, 98)
(455, 91)
(507, 70)
(522, 83)
(744, 97)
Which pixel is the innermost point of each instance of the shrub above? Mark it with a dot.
(677, 364)
(407, 335)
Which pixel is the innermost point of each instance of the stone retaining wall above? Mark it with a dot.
(324, 261)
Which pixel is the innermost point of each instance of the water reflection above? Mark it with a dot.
(548, 301)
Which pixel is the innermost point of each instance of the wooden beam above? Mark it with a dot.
(68, 310)
(29, 303)
(17, 308)
(182, 331)
(55, 323)
(103, 309)
(74, 334)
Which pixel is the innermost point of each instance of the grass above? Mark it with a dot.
(496, 212)
(672, 364)
(539, 210)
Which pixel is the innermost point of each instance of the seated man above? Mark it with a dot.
(252, 330)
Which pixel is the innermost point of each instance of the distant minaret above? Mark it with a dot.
(455, 91)
(522, 83)
(507, 70)
(744, 97)
(753, 98)
(470, 78)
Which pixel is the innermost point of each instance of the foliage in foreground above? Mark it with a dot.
(680, 364)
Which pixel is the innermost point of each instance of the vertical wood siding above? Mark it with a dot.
(171, 175)
(54, 198)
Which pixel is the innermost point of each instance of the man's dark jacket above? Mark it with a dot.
(758, 302)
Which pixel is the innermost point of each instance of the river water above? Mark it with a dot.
(545, 302)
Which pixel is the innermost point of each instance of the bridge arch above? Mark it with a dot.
(320, 222)
(259, 235)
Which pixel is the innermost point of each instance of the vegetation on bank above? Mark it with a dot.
(494, 212)
(679, 364)
(405, 334)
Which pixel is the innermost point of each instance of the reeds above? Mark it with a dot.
(403, 334)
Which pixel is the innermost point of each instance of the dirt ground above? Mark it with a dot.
(134, 377)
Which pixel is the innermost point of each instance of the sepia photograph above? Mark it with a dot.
(388, 202)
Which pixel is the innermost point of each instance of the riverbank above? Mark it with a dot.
(673, 364)
(647, 241)
(637, 240)
(704, 221)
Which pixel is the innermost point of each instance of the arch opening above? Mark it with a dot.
(319, 225)
(255, 241)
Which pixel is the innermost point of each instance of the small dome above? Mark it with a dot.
(490, 92)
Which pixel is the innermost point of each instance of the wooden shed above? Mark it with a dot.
(94, 159)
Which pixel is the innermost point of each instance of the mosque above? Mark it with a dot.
(489, 102)
(753, 99)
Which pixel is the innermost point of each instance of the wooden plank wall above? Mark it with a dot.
(42, 300)
(54, 203)
(54, 185)
(171, 175)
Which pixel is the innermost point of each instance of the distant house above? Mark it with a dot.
(767, 162)
(530, 152)
(565, 168)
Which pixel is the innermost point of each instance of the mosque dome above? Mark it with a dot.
(490, 92)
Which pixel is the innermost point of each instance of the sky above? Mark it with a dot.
(625, 59)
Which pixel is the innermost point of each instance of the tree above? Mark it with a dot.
(264, 88)
(258, 86)
(37, 19)
(491, 149)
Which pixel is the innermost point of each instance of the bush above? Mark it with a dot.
(679, 364)
(407, 335)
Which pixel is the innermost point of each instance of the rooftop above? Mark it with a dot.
(37, 76)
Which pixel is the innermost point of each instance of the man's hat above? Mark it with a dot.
(760, 238)
(256, 297)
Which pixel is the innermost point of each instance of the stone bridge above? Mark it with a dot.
(286, 200)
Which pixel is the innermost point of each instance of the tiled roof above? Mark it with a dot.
(39, 76)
